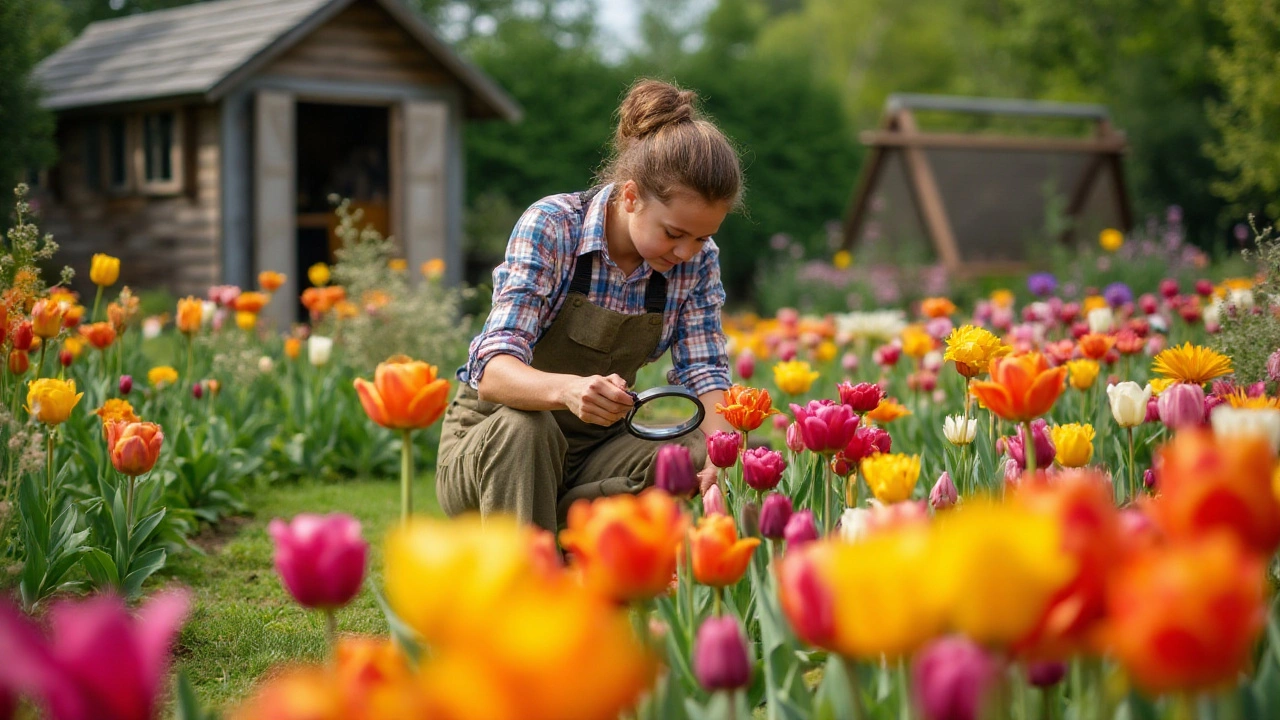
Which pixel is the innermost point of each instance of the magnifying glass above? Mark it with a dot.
(664, 413)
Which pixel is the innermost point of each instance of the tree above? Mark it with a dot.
(28, 128)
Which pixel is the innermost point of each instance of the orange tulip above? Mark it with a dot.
(1022, 387)
(190, 315)
(1185, 617)
(292, 348)
(114, 410)
(1209, 482)
(251, 302)
(405, 394)
(19, 362)
(46, 319)
(1081, 501)
(134, 446)
(936, 307)
(625, 545)
(270, 281)
(746, 408)
(1095, 346)
(99, 335)
(719, 557)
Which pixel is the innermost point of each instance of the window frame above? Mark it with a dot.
(159, 186)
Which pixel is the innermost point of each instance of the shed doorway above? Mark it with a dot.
(341, 150)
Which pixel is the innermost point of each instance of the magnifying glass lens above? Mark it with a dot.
(665, 413)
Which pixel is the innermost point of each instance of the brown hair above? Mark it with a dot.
(664, 145)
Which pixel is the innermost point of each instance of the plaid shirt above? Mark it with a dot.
(532, 283)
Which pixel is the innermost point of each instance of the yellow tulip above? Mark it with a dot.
(246, 320)
(842, 259)
(50, 400)
(972, 349)
(1111, 239)
(916, 343)
(104, 270)
(891, 477)
(1074, 444)
(190, 315)
(318, 274)
(397, 265)
(1082, 373)
(162, 375)
(794, 377)
(433, 269)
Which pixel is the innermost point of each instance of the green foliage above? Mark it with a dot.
(1250, 337)
(1249, 115)
(28, 134)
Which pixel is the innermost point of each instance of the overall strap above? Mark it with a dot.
(655, 293)
(583, 267)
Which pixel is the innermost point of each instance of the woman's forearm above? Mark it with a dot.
(510, 382)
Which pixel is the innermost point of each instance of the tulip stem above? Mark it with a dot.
(1133, 483)
(1029, 448)
(406, 475)
(189, 353)
(855, 692)
(331, 628)
(49, 469)
(44, 345)
(97, 300)
(719, 593)
(826, 498)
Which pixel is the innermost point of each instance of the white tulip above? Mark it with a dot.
(207, 309)
(1230, 421)
(1101, 320)
(319, 348)
(958, 431)
(1242, 299)
(266, 364)
(1129, 403)
(932, 361)
(151, 327)
(853, 524)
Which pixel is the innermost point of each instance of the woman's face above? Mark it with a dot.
(667, 234)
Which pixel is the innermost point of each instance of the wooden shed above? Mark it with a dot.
(199, 144)
(983, 201)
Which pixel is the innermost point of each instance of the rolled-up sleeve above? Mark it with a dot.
(522, 287)
(699, 359)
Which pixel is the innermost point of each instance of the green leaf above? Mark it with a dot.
(101, 568)
(141, 568)
(143, 529)
(405, 636)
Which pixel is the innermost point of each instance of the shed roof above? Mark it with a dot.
(205, 49)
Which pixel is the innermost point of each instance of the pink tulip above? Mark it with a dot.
(673, 470)
(1181, 406)
(861, 398)
(849, 361)
(795, 441)
(1149, 304)
(723, 447)
(887, 356)
(762, 468)
(713, 501)
(720, 659)
(944, 493)
(867, 441)
(780, 422)
(1204, 288)
(746, 365)
(100, 662)
(321, 558)
(1043, 445)
(775, 513)
(951, 677)
(825, 426)
(126, 384)
(1169, 288)
(801, 528)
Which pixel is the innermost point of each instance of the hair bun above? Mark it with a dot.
(651, 105)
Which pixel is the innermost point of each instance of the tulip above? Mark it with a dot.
(65, 358)
(762, 468)
(101, 662)
(720, 659)
(861, 398)
(1128, 403)
(1043, 442)
(892, 478)
(197, 391)
(19, 362)
(849, 361)
(794, 377)
(405, 394)
(1181, 406)
(723, 448)
(1046, 674)
(134, 447)
(190, 315)
(1185, 617)
(23, 336)
(50, 401)
(46, 319)
(271, 281)
(745, 408)
(1022, 387)
(673, 471)
(719, 557)
(626, 544)
(867, 441)
(713, 501)
(1230, 422)
(104, 270)
(321, 558)
(944, 493)
(958, 430)
(319, 274)
(432, 269)
(266, 364)
(825, 426)
(1073, 444)
(886, 356)
(292, 348)
(800, 529)
(746, 365)
(774, 514)
(951, 678)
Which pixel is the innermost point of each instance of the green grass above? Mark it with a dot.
(243, 622)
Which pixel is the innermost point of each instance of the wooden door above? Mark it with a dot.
(274, 205)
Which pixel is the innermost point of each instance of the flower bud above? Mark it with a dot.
(749, 519)
(1046, 674)
(713, 501)
(746, 365)
(19, 362)
(958, 431)
(801, 528)
(197, 391)
(775, 513)
(720, 659)
(126, 384)
(1149, 479)
(723, 447)
(23, 336)
(1169, 288)
(944, 493)
(1204, 288)
(1128, 403)
(66, 358)
(795, 441)
(673, 471)
(321, 558)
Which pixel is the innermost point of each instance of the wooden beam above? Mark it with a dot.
(920, 178)
(862, 196)
(1080, 193)
(1114, 144)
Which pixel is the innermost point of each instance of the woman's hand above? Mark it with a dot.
(598, 400)
(707, 476)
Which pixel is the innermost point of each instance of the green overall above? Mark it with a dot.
(535, 464)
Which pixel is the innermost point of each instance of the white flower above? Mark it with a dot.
(932, 361)
(958, 431)
(151, 327)
(1101, 320)
(853, 524)
(207, 309)
(319, 348)
(1213, 313)
(881, 325)
(1242, 298)
(1230, 421)
(266, 364)
(1129, 403)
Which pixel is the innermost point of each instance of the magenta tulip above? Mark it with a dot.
(1046, 673)
(673, 470)
(801, 528)
(775, 513)
(720, 659)
(723, 448)
(867, 441)
(861, 398)
(795, 441)
(762, 468)
(746, 365)
(944, 493)
(951, 677)
(321, 558)
(825, 426)
(126, 384)
(1044, 448)
(1181, 405)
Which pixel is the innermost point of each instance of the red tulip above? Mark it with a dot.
(320, 558)
(723, 447)
(826, 427)
(762, 468)
(863, 397)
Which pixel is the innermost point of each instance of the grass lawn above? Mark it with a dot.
(243, 622)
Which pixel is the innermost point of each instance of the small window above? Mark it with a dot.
(117, 153)
(157, 137)
(93, 155)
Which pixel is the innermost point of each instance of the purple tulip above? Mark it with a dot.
(673, 471)
(723, 447)
(762, 468)
(950, 678)
(197, 391)
(1044, 448)
(1149, 479)
(1042, 284)
(1046, 674)
(866, 442)
(1211, 402)
(861, 398)
(944, 493)
(801, 528)
(720, 659)
(1117, 294)
(1181, 405)
(321, 558)
(775, 513)
(825, 426)
(126, 384)
(100, 661)
(713, 501)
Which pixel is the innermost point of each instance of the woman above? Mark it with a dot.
(594, 286)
